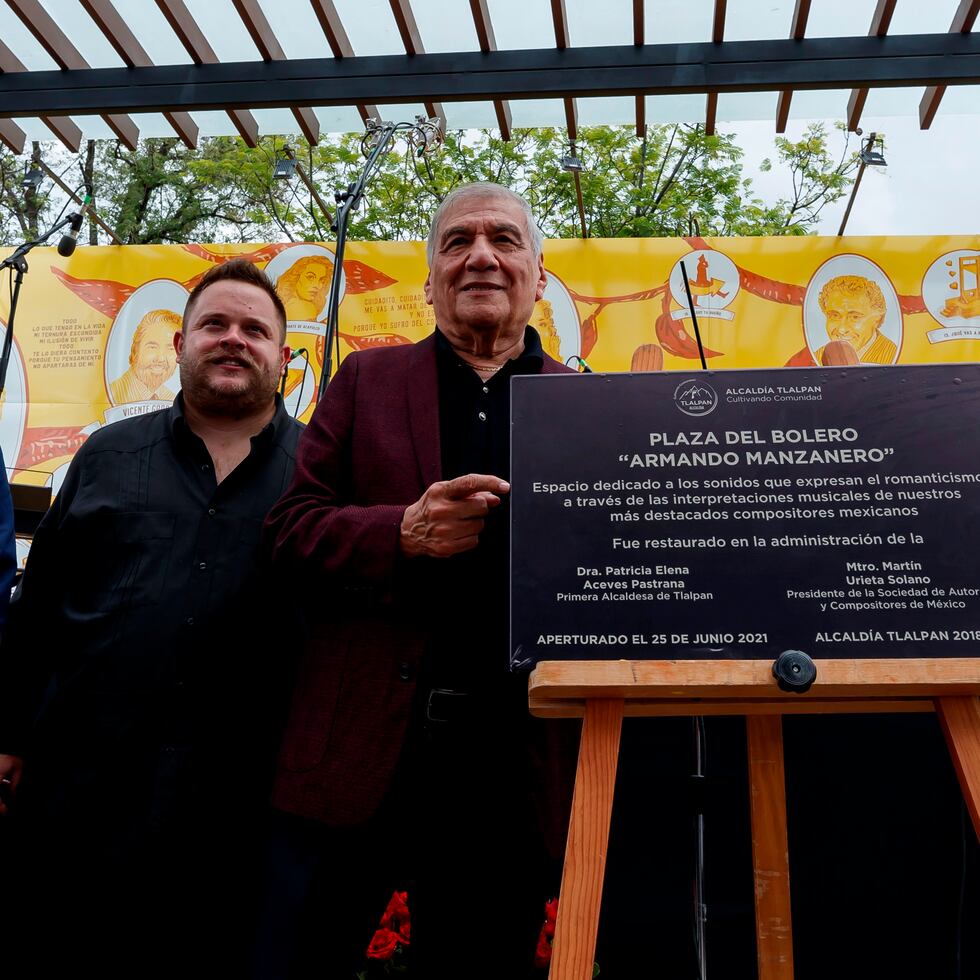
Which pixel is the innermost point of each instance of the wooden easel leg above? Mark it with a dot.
(770, 847)
(588, 840)
(960, 718)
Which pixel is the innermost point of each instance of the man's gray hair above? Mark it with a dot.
(483, 189)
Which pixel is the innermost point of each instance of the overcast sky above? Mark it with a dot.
(931, 185)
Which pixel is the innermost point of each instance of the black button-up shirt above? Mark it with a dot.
(473, 588)
(143, 614)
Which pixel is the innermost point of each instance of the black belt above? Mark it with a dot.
(443, 706)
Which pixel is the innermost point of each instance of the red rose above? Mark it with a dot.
(383, 945)
(397, 910)
(550, 917)
(542, 955)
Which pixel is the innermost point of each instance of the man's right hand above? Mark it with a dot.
(448, 517)
(11, 767)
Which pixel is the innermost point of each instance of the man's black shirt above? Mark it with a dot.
(143, 614)
(474, 432)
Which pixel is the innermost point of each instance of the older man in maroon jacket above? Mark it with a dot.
(410, 760)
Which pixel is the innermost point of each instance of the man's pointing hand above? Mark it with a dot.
(448, 517)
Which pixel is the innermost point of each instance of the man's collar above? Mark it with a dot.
(179, 427)
(532, 345)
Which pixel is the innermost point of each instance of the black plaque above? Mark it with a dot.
(737, 514)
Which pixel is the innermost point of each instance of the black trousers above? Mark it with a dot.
(458, 831)
(125, 876)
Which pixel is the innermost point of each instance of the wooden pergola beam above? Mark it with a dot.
(412, 39)
(559, 16)
(813, 64)
(717, 36)
(880, 22)
(122, 39)
(639, 38)
(261, 32)
(62, 127)
(196, 45)
(485, 35)
(336, 35)
(963, 21)
(12, 136)
(54, 40)
(797, 32)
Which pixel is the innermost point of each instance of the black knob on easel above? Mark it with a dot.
(794, 671)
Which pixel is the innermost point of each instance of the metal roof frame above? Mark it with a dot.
(564, 72)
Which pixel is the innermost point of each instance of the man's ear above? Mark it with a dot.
(427, 289)
(286, 351)
(542, 279)
(179, 343)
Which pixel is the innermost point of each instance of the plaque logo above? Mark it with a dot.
(695, 397)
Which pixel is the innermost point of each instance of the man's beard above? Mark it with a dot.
(237, 397)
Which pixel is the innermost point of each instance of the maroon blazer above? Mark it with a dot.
(371, 449)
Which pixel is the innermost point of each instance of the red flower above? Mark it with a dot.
(397, 910)
(396, 917)
(550, 917)
(383, 945)
(542, 955)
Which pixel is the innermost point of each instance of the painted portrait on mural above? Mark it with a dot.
(140, 362)
(556, 320)
(152, 360)
(850, 299)
(951, 294)
(302, 277)
(13, 405)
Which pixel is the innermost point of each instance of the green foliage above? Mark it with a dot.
(674, 180)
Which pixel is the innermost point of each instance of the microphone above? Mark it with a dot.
(67, 244)
(299, 352)
(427, 135)
(839, 353)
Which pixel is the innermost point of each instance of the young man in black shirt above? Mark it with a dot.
(140, 673)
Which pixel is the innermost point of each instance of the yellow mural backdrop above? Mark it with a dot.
(93, 332)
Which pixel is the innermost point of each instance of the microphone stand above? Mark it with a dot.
(375, 144)
(17, 262)
(699, 776)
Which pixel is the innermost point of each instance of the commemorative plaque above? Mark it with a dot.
(738, 514)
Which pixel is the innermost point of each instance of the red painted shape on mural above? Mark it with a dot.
(371, 341)
(675, 339)
(265, 254)
(103, 295)
(771, 289)
(363, 278)
(48, 442)
(589, 333)
(802, 358)
(912, 304)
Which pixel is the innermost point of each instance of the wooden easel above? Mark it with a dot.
(602, 692)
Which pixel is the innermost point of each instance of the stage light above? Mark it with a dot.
(32, 179)
(285, 167)
(572, 164)
(871, 155)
